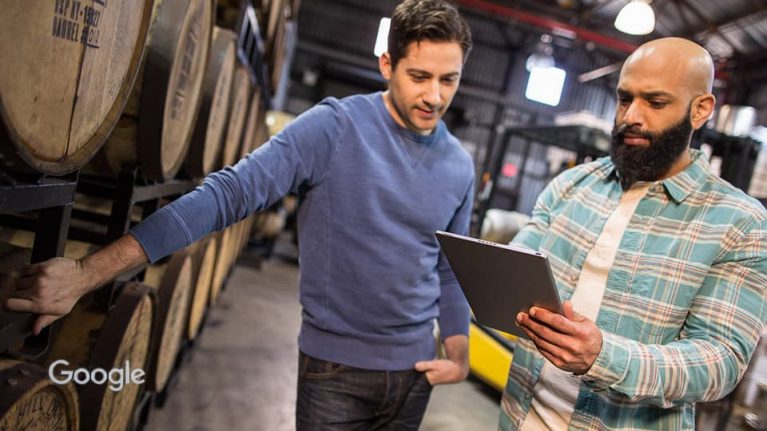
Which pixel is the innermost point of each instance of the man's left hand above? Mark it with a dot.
(571, 342)
(451, 370)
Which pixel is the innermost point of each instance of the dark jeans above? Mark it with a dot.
(332, 396)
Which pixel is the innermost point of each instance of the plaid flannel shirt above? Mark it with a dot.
(684, 303)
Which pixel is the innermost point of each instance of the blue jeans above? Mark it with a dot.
(333, 396)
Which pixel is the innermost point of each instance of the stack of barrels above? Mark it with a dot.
(282, 13)
(275, 18)
(103, 87)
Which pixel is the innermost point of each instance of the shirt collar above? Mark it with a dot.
(681, 185)
(684, 183)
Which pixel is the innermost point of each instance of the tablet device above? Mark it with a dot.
(499, 280)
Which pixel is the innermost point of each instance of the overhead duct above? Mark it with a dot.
(549, 24)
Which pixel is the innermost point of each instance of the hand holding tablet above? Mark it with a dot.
(499, 280)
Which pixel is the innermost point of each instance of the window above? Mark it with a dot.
(382, 40)
(545, 85)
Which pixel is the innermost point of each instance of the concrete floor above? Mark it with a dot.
(241, 374)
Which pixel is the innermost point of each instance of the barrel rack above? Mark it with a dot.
(46, 205)
(128, 190)
(52, 200)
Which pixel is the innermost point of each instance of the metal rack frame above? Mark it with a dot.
(53, 198)
(252, 50)
(578, 139)
(130, 188)
(738, 153)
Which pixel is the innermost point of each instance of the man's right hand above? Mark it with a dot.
(50, 289)
(53, 287)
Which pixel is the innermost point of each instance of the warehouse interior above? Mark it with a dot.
(159, 96)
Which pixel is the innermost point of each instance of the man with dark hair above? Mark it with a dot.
(663, 266)
(414, 21)
(378, 175)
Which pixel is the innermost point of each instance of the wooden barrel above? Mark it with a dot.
(228, 248)
(157, 125)
(247, 226)
(101, 208)
(240, 237)
(262, 130)
(276, 55)
(202, 276)
(12, 259)
(238, 111)
(25, 240)
(269, 224)
(223, 262)
(251, 124)
(15, 252)
(30, 401)
(66, 73)
(276, 14)
(173, 284)
(93, 339)
(237, 240)
(209, 129)
(278, 120)
(228, 13)
(13, 255)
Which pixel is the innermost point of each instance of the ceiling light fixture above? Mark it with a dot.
(542, 55)
(637, 17)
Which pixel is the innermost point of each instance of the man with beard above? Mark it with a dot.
(662, 266)
(378, 175)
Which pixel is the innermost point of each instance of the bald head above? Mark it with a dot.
(672, 77)
(664, 92)
(679, 59)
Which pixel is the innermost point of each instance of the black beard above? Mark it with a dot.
(638, 163)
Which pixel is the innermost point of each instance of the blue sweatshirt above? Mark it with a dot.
(372, 278)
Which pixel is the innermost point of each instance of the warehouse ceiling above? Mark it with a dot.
(734, 31)
(336, 38)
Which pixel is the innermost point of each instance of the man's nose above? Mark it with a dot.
(633, 115)
(431, 95)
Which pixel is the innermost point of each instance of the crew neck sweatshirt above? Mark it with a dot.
(372, 278)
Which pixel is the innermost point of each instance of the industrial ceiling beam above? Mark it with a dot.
(711, 26)
(727, 20)
(733, 17)
(595, 7)
(598, 73)
(687, 26)
(756, 41)
(660, 8)
(549, 24)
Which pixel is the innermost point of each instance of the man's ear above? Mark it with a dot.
(701, 109)
(384, 65)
